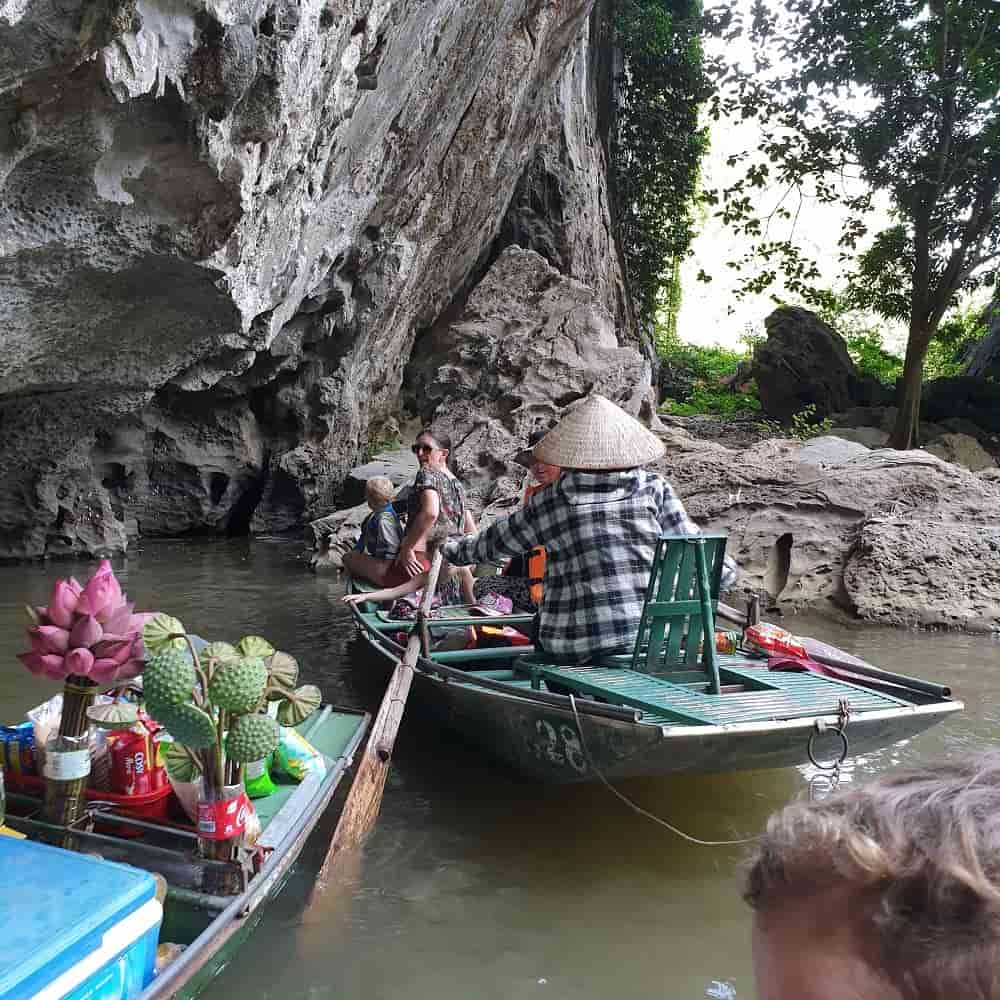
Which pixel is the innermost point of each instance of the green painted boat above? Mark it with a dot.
(212, 928)
(673, 705)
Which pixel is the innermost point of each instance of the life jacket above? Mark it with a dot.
(530, 564)
(369, 538)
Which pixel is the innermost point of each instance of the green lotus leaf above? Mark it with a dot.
(254, 645)
(116, 715)
(157, 631)
(179, 764)
(284, 673)
(218, 651)
(188, 724)
(299, 705)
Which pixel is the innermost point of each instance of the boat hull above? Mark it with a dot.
(544, 742)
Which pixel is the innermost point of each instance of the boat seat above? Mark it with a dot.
(767, 695)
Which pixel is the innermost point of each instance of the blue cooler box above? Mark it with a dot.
(73, 927)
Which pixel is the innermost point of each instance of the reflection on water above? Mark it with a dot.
(476, 883)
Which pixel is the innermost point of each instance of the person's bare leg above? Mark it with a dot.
(466, 581)
(366, 567)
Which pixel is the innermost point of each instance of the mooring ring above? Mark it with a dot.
(843, 754)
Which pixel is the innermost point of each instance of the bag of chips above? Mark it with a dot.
(296, 756)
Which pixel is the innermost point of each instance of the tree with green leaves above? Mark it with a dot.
(903, 96)
(657, 143)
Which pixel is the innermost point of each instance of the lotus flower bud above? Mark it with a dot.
(49, 639)
(115, 647)
(107, 671)
(86, 632)
(120, 620)
(96, 595)
(75, 585)
(79, 661)
(47, 664)
(62, 604)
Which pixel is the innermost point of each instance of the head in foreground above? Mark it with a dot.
(887, 891)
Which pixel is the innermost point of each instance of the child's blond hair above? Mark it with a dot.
(379, 490)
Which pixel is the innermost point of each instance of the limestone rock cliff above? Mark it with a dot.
(223, 224)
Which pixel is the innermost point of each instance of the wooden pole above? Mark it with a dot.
(363, 801)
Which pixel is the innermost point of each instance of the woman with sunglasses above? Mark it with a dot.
(435, 497)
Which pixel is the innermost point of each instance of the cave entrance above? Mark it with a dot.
(242, 511)
(779, 563)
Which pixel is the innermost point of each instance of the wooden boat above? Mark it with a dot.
(674, 705)
(211, 927)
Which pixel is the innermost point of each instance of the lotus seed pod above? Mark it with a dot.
(157, 631)
(168, 678)
(218, 651)
(238, 685)
(251, 738)
(299, 705)
(179, 764)
(284, 671)
(254, 645)
(188, 724)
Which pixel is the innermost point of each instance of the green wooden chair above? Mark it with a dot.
(676, 639)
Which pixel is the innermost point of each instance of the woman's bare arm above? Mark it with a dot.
(417, 531)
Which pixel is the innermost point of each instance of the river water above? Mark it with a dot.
(476, 883)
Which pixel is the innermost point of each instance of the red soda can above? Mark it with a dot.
(130, 764)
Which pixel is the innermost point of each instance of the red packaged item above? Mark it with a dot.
(225, 819)
(773, 640)
(130, 763)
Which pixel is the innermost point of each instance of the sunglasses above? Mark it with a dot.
(419, 449)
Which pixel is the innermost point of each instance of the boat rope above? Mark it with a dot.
(635, 807)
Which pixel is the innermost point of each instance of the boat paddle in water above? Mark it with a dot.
(364, 800)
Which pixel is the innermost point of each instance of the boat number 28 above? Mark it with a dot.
(560, 744)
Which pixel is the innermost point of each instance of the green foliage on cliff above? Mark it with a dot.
(657, 143)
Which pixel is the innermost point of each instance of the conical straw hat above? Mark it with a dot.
(597, 435)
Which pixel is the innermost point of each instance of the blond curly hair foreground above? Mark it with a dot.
(919, 851)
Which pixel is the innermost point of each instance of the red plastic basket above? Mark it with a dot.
(152, 806)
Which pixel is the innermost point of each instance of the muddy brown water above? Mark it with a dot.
(477, 883)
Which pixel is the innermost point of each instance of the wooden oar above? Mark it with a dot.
(832, 656)
(362, 805)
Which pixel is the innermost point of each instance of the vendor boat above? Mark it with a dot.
(675, 704)
(207, 928)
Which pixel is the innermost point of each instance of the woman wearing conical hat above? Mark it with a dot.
(599, 525)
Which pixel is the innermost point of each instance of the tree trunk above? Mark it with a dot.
(904, 434)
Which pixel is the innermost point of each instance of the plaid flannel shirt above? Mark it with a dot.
(600, 531)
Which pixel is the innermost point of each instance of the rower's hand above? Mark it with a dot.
(353, 598)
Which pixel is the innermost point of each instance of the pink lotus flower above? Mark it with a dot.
(87, 630)
(49, 639)
(62, 604)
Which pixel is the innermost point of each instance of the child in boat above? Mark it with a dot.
(382, 529)
(454, 584)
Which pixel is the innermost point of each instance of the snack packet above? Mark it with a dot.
(296, 756)
(257, 778)
(17, 754)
